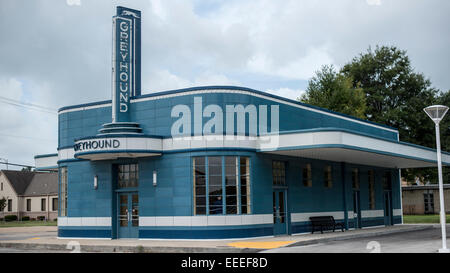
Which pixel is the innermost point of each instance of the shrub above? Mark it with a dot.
(41, 218)
(26, 218)
(9, 218)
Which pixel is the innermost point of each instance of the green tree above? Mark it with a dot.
(395, 96)
(2, 204)
(334, 91)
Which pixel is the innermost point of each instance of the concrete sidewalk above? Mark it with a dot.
(45, 238)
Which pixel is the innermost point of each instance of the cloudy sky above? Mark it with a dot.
(55, 53)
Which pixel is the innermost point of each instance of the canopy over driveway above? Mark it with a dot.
(339, 145)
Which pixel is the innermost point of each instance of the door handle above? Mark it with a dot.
(128, 215)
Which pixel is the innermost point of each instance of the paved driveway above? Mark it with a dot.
(425, 241)
(27, 233)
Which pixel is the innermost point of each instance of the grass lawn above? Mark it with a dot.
(26, 223)
(423, 219)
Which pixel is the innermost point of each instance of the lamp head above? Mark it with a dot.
(436, 112)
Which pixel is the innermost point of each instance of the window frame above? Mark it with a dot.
(55, 202)
(307, 179)
(130, 176)
(223, 175)
(428, 200)
(371, 186)
(279, 173)
(328, 176)
(43, 204)
(28, 204)
(62, 208)
(356, 183)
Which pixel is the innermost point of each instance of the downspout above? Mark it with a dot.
(48, 208)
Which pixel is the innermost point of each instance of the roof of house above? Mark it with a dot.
(43, 184)
(32, 183)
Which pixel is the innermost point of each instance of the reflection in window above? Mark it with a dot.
(63, 193)
(199, 166)
(328, 181)
(221, 185)
(387, 181)
(355, 179)
(428, 199)
(279, 173)
(231, 184)
(245, 185)
(215, 185)
(371, 190)
(307, 175)
(128, 176)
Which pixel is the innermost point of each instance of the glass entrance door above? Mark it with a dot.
(387, 208)
(357, 209)
(279, 212)
(128, 215)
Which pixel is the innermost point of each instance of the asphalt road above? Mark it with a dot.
(425, 241)
(14, 250)
(8, 236)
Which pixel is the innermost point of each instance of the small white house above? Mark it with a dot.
(29, 194)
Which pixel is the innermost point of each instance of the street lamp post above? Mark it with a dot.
(437, 113)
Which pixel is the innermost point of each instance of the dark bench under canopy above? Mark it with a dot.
(325, 223)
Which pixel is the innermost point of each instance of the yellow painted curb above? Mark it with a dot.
(263, 245)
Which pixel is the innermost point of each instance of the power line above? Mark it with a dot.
(28, 137)
(19, 165)
(28, 105)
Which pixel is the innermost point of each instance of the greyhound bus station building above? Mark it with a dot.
(219, 162)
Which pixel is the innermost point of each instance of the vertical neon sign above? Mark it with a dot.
(126, 62)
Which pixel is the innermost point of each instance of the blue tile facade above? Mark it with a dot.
(173, 194)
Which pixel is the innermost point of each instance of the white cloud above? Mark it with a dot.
(289, 93)
(158, 9)
(24, 132)
(65, 59)
(374, 2)
(163, 80)
(301, 68)
(73, 2)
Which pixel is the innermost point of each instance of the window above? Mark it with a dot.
(43, 205)
(245, 185)
(328, 180)
(54, 204)
(307, 175)
(371, 190)
(199, 165)
(387, 181)
(63, 191)
(279, 173)
(231, 184)
(221, 185)
(355, 179)
(128, 176)
(215, 185)
(428, 199)
(28, 204)
(9, 205)
(1, 187)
